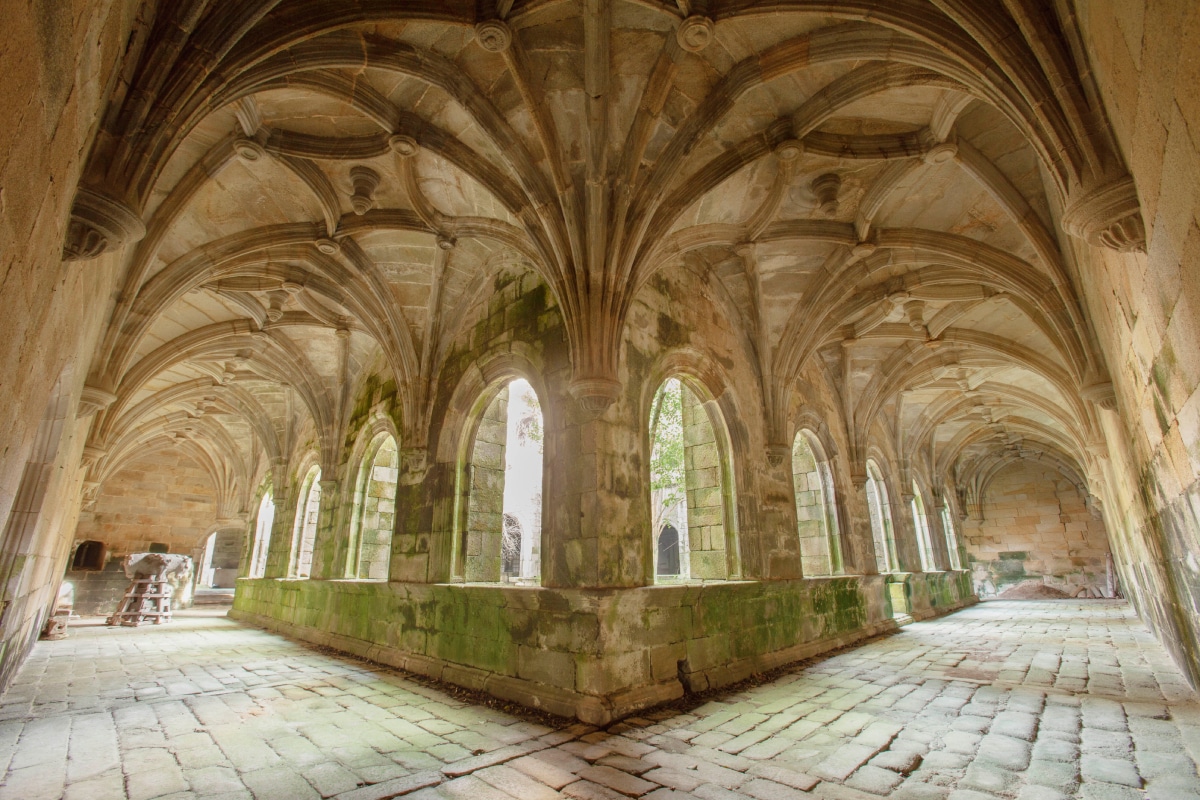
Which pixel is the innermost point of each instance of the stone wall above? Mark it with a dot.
(595, 654)
(59, 64)
(1146, 310)
(1036, 524)
(162, 497)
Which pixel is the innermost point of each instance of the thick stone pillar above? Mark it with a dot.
(330, 556)
(907, 553)
(596, 529)
(423, 540)
(279, 551)
(858, 539)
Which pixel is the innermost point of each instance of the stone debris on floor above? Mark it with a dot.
(1007, 699)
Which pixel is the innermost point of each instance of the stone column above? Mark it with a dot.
(596, 527)
(907, 553)
(279, 551)
(423, 538)
(858, 539)
(330, 557)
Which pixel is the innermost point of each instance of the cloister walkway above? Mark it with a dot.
(1004, 699)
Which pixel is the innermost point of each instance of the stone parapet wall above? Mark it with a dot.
(597, 655)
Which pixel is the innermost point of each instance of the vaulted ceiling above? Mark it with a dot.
(325, 187)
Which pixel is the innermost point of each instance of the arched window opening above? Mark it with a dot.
(262, 536)
(951, 539)
(307, 513)
(881, 521)
(688, 484)
(219, 563)
(921, 526)
(375, 508)
(816, 507)
(90, 556)
(668, 552)
(504, 512)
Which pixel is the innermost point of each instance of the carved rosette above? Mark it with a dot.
(403, 145)
(1108, 216)
(694, 33)
(493, 35)
(98, 224)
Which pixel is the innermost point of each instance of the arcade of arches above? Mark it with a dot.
(367, 306)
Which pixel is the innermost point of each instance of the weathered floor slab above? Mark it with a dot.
(1005, 699)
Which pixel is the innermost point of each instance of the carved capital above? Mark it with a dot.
(93, 399)
(92, 455)
(493, 35)
(777, 454)
(414, 463)
(91, 490)
(1102, 394)
(594, 395)
(99, 223)
(1107, 216)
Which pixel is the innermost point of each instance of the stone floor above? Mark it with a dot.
(1005, 699)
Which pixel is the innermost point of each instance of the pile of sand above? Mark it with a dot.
(1032, 590)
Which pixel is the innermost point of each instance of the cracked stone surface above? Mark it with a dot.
(209, 708)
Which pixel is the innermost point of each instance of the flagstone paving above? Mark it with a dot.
(1028, 700)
